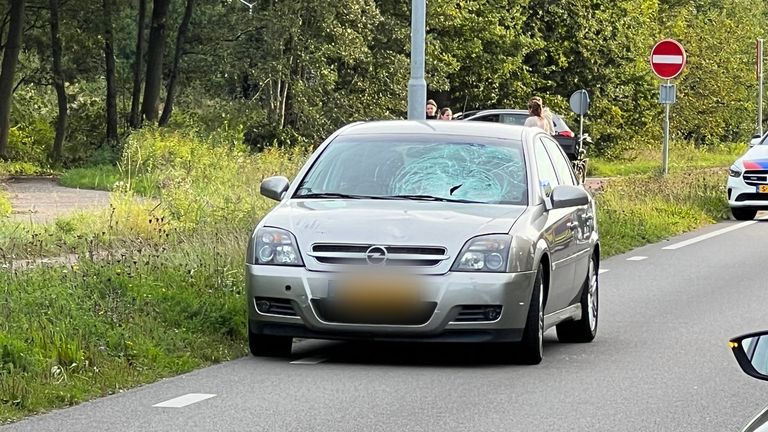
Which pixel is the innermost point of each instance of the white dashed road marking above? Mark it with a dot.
(601, 271)
(182, 401)
(310, 360)
(709, 235)
(636, 258)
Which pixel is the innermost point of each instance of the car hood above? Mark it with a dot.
(755, 159)
(400, 222)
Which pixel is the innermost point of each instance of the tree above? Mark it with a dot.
(138, 65)
(58, 82)
(180, 42)
(109, 59)
(155, 59)
(8, 70)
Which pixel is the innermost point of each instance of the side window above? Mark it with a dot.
(544, 165)
(513, 119)
(488, 118)
(561, 163)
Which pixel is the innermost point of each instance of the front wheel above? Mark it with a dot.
(743, 213)
(531, 347)
(585, 329)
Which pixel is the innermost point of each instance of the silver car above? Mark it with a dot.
(426, 231)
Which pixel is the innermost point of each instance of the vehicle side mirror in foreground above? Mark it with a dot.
(751, 352)
(275, 187)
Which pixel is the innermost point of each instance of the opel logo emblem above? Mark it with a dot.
(376, 255)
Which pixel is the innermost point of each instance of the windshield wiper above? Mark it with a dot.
(338, 195)
(435, 198)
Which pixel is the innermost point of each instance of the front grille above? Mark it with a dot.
(275, 306)
(352, 254)
(478, 313)
(751, 197)
(755, 177)
(330, 312)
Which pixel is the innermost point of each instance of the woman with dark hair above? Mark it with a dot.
(537, 118)
(446, 114)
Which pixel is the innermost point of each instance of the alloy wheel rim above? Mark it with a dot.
(592, 296)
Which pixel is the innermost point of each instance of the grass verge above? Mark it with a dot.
(682, 157)
(5, 204)
(68, 334)
(635, 211)
(100, 177)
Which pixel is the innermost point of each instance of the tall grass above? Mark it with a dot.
(682, 157)
(157, 287)
(634, 211)
(5, 204)
(69, 333)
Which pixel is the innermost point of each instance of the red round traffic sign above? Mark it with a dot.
(667, 59)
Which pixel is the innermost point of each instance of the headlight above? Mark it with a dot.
(484, 254)
(734, 171)
(274, 246)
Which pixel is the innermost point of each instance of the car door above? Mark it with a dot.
(556, 233)
(580, 222)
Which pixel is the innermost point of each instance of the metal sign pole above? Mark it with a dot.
(665, 149)
(417, 86)
(760, 87)
(582, 96)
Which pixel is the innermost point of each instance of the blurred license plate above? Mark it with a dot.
(762, 189)
(376, 293)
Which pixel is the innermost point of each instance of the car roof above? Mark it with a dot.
(448, 127)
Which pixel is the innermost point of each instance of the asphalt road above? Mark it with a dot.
(660, 363)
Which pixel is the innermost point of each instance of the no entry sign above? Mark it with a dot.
(667, 59)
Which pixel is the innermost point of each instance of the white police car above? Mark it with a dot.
(748, 181)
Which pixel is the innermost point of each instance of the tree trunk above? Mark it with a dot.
(172, 80)
(155, 59)
(8, 71)
(138, 65)
(109, 58)
(58, 83)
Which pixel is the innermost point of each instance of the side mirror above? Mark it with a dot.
(275, 187)
(565, 196)
(751, 352)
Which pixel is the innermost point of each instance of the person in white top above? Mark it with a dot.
(537, 118)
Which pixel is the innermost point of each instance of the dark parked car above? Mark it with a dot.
(564, 136)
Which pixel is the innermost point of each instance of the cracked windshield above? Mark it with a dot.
(390, 215)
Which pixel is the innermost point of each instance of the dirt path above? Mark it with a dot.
(41, 199)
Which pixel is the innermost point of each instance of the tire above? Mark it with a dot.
(585, 329)
(269, 346)
(743, 213)
(530, 349)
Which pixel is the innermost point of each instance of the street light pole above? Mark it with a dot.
(417, 86)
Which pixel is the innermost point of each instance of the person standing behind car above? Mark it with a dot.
(446, 114)
(536, 118)
(547, 114)
(431, 110)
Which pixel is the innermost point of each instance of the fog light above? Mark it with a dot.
(263, 306)
(493, 313)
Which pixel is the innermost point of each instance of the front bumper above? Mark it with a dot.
(449, 292)
(740, 194)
